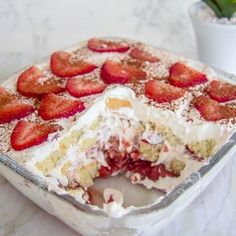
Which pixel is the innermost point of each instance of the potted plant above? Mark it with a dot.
(214, 23)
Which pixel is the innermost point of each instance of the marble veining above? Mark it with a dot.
(32, 29)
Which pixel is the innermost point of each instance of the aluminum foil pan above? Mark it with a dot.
(144, 220)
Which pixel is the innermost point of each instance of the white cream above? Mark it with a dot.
(115, 210)
(111, 194)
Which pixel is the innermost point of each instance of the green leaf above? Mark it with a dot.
(214, 7)
(228, 7)
(222, 8)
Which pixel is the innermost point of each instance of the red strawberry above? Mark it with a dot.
(135, 73)
(142, 55)
(3, 91)
(63, 66)
(115, 72)
(5, 96)
(100, 45)
(221, 91)
(27, 134)
(33, 83)
(184, 76)
(159, 171)
(211, 110)
(105, 171)
(145, 169)
(78, 87)
(54, 106)
(162, 92)
(11, 107)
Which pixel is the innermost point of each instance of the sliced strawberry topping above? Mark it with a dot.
(100, 45)
(78, 87)
(62, 65)
(27, 134)
(184, 76)
(115, 72)
(211, 110)
(221, 91)
(142, 55)
(135, 73)
(3, 92)
(54, 107)
(33, 83)
(162, 92)
(11, 108)
(5, 96)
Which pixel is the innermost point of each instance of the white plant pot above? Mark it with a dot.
(216, 42)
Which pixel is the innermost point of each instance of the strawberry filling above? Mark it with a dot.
(124, 161)
(119, 162)
(145, 169)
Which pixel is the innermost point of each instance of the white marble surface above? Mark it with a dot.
(32, 29)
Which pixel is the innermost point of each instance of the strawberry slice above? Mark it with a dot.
(78, 87)
(221, 91)
(27, 134)
(33, 83)
(100, 45)
(54, 107)
(184, 76)
(142, 55)
(211, 110)
(12, 108)
(115, 72)
(162, 92)
(63, 66)
(3, 92)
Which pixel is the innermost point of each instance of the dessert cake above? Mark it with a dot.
(115, 107)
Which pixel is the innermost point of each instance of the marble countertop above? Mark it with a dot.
(32, 29)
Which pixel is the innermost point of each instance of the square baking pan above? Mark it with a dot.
(141, 220)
